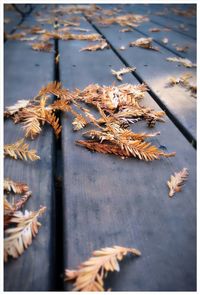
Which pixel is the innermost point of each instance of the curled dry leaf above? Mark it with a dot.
(100, 46)
(184, 61)
(144, 43)
(90, 274)
(20, 150)
(18, 238)
(176, 181)
(118, 74)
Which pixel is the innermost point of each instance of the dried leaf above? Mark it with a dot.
(176, 181)
(57, 58)
(184, 61)
(18, 238)
(19, 150)
(15, 187)
(20, 104)
(100, 46)
(91, 273)
(42, 47)
(182, 49)
(144, 43)
(121, 72)
(125, 30)
(154, 30)
(134, 148)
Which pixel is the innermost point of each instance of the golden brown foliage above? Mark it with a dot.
(18, 238)
(20, 150)
(144, 43)
(118, 74)
(90, 274)
(100, 46)
(184, 61)
(12, 186)
(42, 46)
(176, 181)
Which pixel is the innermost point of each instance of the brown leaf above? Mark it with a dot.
(90, 274)
(42, 47)
(184, 61)
(182, 49)
(18, 238)
(20, 150)
(100, 46)
(118, 74)
(16, 187)
(176, 181)
(144, 43)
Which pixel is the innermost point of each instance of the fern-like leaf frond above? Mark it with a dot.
(91, 273)
(20, 150)
(17, 187)
(18, 238)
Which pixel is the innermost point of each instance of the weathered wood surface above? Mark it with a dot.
(110, 201)
(25, 72)
(155, 70)
(173, 23)
(11, 19)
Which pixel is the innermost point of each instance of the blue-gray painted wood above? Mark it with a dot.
(110, 201)
(25, 72)
(155, 70)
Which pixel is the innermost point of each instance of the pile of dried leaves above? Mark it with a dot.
(117, 106)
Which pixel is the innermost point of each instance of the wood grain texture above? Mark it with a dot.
(25, 72)
(110, 201)
(155, 70)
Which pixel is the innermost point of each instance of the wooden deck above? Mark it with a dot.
(103, 200)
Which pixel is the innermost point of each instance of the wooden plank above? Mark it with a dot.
(110, 201)
(174, 24)
(11, 19)
(169, 13)
(25, 72)
(175, 40)
(155, 70)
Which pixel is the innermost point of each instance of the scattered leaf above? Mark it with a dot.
(100, 46)
(19, 150)
(176, 181)
(118, 74)
(18, 238)
(144, 43)
(91, 273)
(184, 61)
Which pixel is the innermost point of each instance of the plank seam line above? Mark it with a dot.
(20, 22)
(160, 43)
(170, 115)
(173, 29)
(171, 17)
(58, 195)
